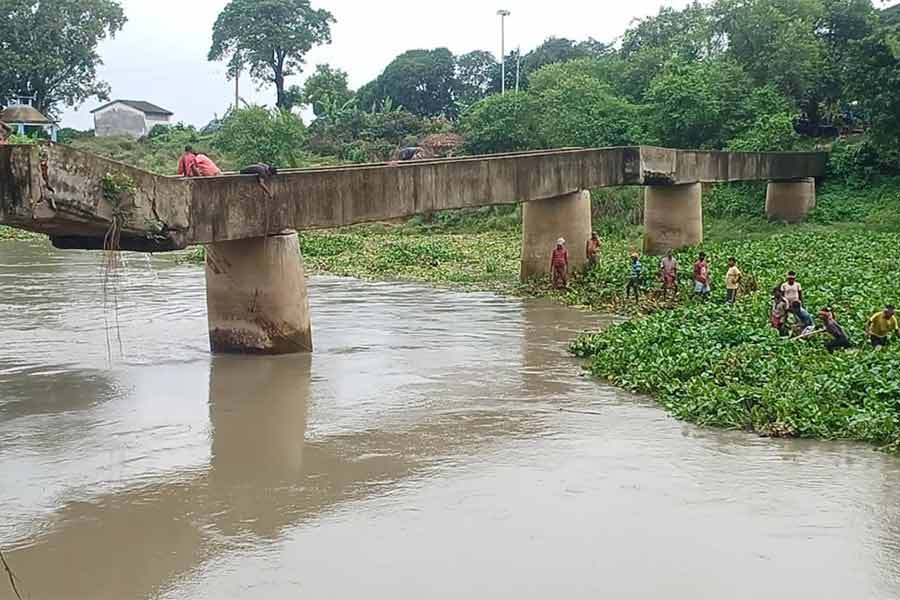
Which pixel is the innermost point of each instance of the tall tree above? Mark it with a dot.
(421, 81)
(474, 73)
(271, 37)
(48, 49)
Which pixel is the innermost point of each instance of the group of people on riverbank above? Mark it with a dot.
(788, 315)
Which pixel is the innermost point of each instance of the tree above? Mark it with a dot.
(705, 104)
(502, 123)
(688, 35)
(553, 50)
(876, 62)
(603, 68)
(271, 37)
(583, 111)
(48, 49)
(257, 134)
(421, 81)
(326, 90)
(474, 73)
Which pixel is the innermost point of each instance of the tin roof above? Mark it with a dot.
(147, 108)
(23, 114)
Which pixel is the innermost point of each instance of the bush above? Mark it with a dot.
(257, 134)
(502, 123)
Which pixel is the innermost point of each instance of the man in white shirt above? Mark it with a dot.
(792, 290)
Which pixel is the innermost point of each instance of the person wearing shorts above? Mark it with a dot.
(701, 276)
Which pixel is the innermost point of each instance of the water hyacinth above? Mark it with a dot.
(724, 366)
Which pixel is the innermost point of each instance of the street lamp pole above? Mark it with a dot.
(503, 14)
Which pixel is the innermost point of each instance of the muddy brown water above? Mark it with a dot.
(420, 452)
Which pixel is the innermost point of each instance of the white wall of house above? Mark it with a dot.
(153, 120)
(120, 119)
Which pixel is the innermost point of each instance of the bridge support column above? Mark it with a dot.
(791, 200)
(256, 296)
(545, 221)
(673, 217)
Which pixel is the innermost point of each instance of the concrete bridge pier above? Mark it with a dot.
(673, 217)
(256, 296)
(790, 200)
(545, 221)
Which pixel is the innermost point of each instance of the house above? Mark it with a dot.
(133, 118)
(24, 119)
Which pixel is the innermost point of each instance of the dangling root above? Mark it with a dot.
(12, 577)
(111, 245)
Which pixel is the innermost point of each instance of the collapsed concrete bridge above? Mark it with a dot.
(256, 292)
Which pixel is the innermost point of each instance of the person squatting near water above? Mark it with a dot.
(882, 325)
(592, 250)
(559, 265)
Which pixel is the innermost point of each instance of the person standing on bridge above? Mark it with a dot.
(205, 167)
(187, 162)
(559, 265)
(592, 250)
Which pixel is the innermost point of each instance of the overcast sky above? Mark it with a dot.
(160, 55)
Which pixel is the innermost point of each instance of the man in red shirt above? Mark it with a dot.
(205, 167)
(186, 162)
(559, 265)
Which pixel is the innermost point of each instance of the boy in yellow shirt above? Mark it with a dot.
(732, 281)
(881, 325)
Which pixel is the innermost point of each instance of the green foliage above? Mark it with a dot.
(582, 111)
(256, 134)
(271, 37)
(723, 366)
(49, 50)
(704, 104)
(770, 132)
(157, 154)
(423, 82)
(483, 260)
(474, 73)
(327, 92)
(502, 123)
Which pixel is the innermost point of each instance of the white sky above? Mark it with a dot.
(160, 55)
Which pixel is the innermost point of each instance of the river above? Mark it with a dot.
(437, 444)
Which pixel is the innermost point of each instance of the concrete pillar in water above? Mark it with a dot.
(791, 200)
(673, 217)
(545, 221)
(256, 296)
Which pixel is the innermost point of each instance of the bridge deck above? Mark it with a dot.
(65, 199)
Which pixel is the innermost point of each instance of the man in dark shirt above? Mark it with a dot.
(263, 173)
(839, 337)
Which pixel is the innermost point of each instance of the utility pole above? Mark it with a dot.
(503, 14)
(237, 88)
